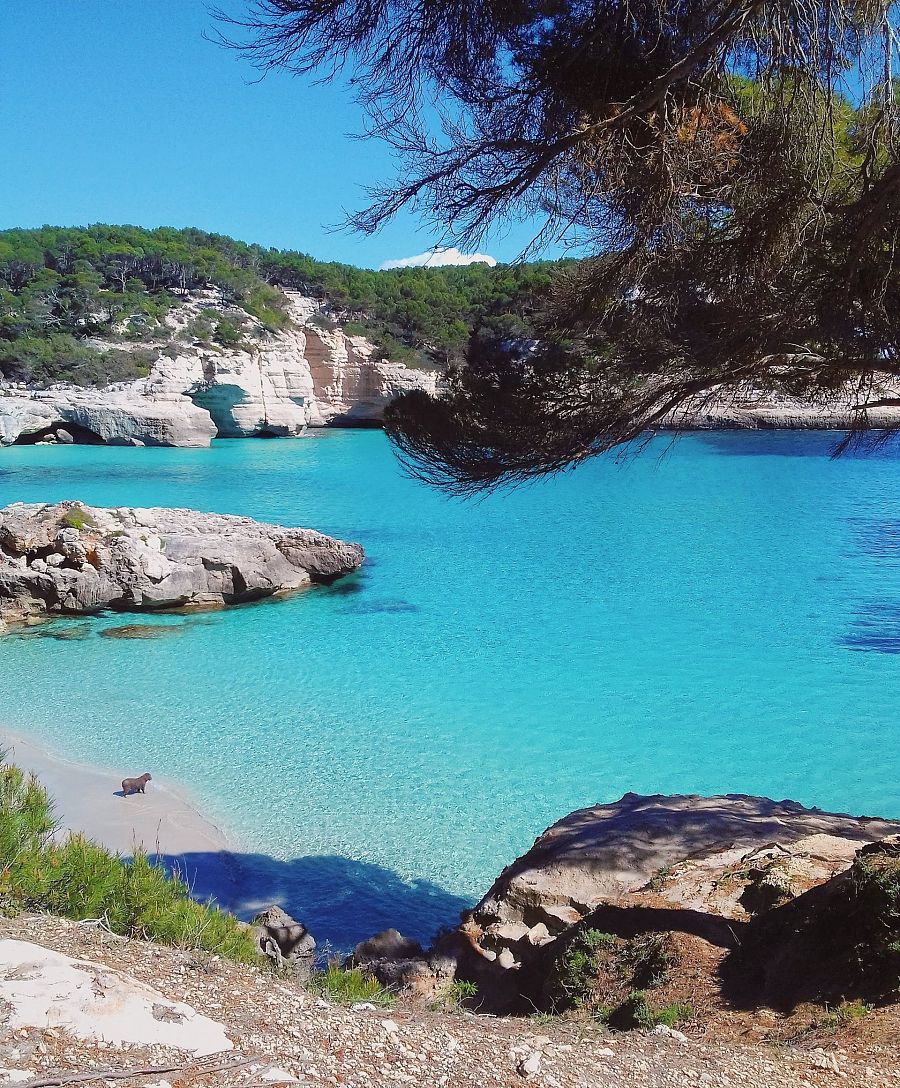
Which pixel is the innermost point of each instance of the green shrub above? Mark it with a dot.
(636, 1012)
(345, 987)
(844, 1014)
(77, 518)
(672, 1014)
(649, 958)
(227, 333)
(658, 880)
(456, 995)
(199, 329)
(267, 305)
(79, 879)
(356, 328)
(578, 967)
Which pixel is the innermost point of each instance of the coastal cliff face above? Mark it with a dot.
(712, 909)
(310, 374)
(68, 558)
(776, 412)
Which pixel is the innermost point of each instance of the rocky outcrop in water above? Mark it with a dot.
(310, 374)
(68, 558)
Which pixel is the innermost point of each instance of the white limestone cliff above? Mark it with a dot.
(308, 375)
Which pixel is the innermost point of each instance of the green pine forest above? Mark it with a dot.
(77, 304)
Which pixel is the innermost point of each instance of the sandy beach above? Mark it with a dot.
(215, 865)
(161, 821)
(89, 799)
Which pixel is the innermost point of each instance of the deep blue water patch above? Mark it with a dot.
(875, 627)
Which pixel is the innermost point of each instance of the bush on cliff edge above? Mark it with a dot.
(838, 942)
(78, 879)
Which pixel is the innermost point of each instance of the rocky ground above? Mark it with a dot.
(279, 1032)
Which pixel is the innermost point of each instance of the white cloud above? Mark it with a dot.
(438, 256)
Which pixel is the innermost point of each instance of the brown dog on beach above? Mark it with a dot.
(135, 785)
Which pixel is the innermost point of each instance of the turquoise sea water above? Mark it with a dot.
(721, 615)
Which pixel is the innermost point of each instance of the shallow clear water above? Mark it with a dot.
(718, 616)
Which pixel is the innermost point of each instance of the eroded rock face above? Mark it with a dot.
(116, 417)
(701, 866)
(272, 384)
(70, 558)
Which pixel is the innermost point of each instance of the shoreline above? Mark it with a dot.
(164, 821)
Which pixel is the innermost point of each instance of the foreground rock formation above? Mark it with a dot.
(69, 558)
(699, 899)
(310, 374)
(41, 988)
(682, 844)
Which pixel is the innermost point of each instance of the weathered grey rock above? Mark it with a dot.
(416, 977)
(286, 942)
(72, 558)
(389, 944)
(401, 965)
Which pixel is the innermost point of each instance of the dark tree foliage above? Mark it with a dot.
(731, 165)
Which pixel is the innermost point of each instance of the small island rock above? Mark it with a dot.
(69, 558)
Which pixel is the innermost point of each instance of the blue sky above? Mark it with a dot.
(118, 111)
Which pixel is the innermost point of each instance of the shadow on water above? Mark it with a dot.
(386, 605)
(341, 901)
(875, 624)
(876, 628)
(878, 537)
(763, 443)
(344, 587)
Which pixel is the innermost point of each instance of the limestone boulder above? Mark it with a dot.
(40, 988)
(678, 845)
(72, 558)
(286, 942)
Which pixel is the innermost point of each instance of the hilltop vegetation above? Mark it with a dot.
(64, 288)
